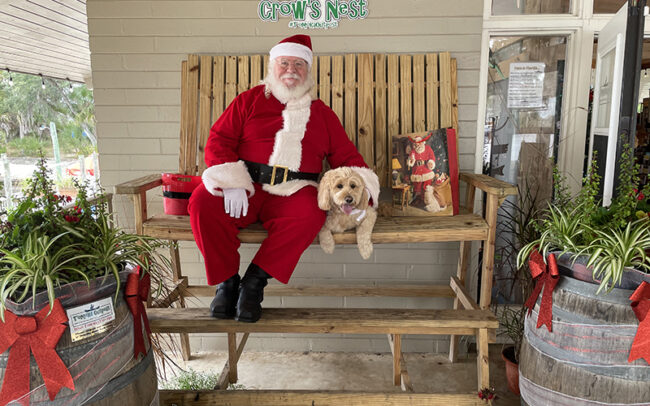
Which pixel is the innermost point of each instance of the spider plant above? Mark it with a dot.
(111, 248)
(561, 230)
(614, 249)
(37, 264)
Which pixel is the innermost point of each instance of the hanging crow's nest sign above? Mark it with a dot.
(308, 14)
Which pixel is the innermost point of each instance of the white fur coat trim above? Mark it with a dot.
(288, 188)
(372, 182)
(227, 176)
(287, 150)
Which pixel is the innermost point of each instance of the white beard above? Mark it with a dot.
(275, 86)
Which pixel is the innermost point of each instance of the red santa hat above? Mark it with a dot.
(296, 45)
(418, 139)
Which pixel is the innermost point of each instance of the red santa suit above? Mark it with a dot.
(423, 160)
(257, 127)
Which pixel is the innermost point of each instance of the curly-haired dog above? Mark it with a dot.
(343, 193)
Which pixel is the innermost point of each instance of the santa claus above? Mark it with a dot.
(421, 162)
(263, 157)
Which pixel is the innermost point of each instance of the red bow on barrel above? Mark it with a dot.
(137, 291)
(40, 334)
(641, 306)
(547, 277)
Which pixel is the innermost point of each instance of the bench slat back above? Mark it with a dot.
(376, 96)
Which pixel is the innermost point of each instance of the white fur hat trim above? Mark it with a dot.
(291, 49)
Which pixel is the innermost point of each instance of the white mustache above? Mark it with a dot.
(290, 76)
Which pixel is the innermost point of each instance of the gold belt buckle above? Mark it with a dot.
(286, 172)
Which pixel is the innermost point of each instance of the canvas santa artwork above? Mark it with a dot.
(425, 173)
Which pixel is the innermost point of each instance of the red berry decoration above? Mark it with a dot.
(487, 395)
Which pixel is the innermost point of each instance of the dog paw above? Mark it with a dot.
(327, 244)
(365, 251)
(326, 241)
(327, 248)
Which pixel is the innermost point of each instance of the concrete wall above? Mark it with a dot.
(136, 50)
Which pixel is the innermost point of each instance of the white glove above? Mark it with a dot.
(235, 202)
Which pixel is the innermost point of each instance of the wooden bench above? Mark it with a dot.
(376, 96)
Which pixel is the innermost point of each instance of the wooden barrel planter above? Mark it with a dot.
(584, 360)
(102, 366)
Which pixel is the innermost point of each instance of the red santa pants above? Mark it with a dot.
(292, 223)
(420, 187)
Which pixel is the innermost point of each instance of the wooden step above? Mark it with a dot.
(305, 397)
(305, 320)
(464, 227)
(349, 290)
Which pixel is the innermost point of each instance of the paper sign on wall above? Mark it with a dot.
(526, 85)
(90, 319)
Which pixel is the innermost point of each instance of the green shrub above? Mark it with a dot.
(74, 145)
(192, 380)
(27, 146)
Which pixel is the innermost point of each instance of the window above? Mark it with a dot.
(608, 6)
(523, 108)
(514, 7)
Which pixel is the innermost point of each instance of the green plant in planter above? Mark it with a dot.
(614, 249)
(48, 240)
(38, 263)
(612, 238)
(511, 320)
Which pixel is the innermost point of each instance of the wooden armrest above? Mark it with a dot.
(139, 185)
(489, 184)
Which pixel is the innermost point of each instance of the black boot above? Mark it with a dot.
(225, 300)
(251, 294)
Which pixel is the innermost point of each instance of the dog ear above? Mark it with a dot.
(324, 187)
(365, 199)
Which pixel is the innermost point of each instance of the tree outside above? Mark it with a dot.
(32, 108)
(27, 108)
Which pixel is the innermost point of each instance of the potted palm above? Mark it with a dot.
(71, 291)
(594, 259)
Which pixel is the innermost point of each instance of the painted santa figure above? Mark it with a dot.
(421, 162)
(264, 156)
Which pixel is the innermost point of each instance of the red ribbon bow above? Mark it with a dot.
(40, 334)
(137, 291)
(547, 278)
(641, 306)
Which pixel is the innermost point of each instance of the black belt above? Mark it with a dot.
(177, 195)
(276, 174)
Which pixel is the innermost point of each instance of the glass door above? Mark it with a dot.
(521, 137)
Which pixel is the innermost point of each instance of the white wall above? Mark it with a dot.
(136, 50)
